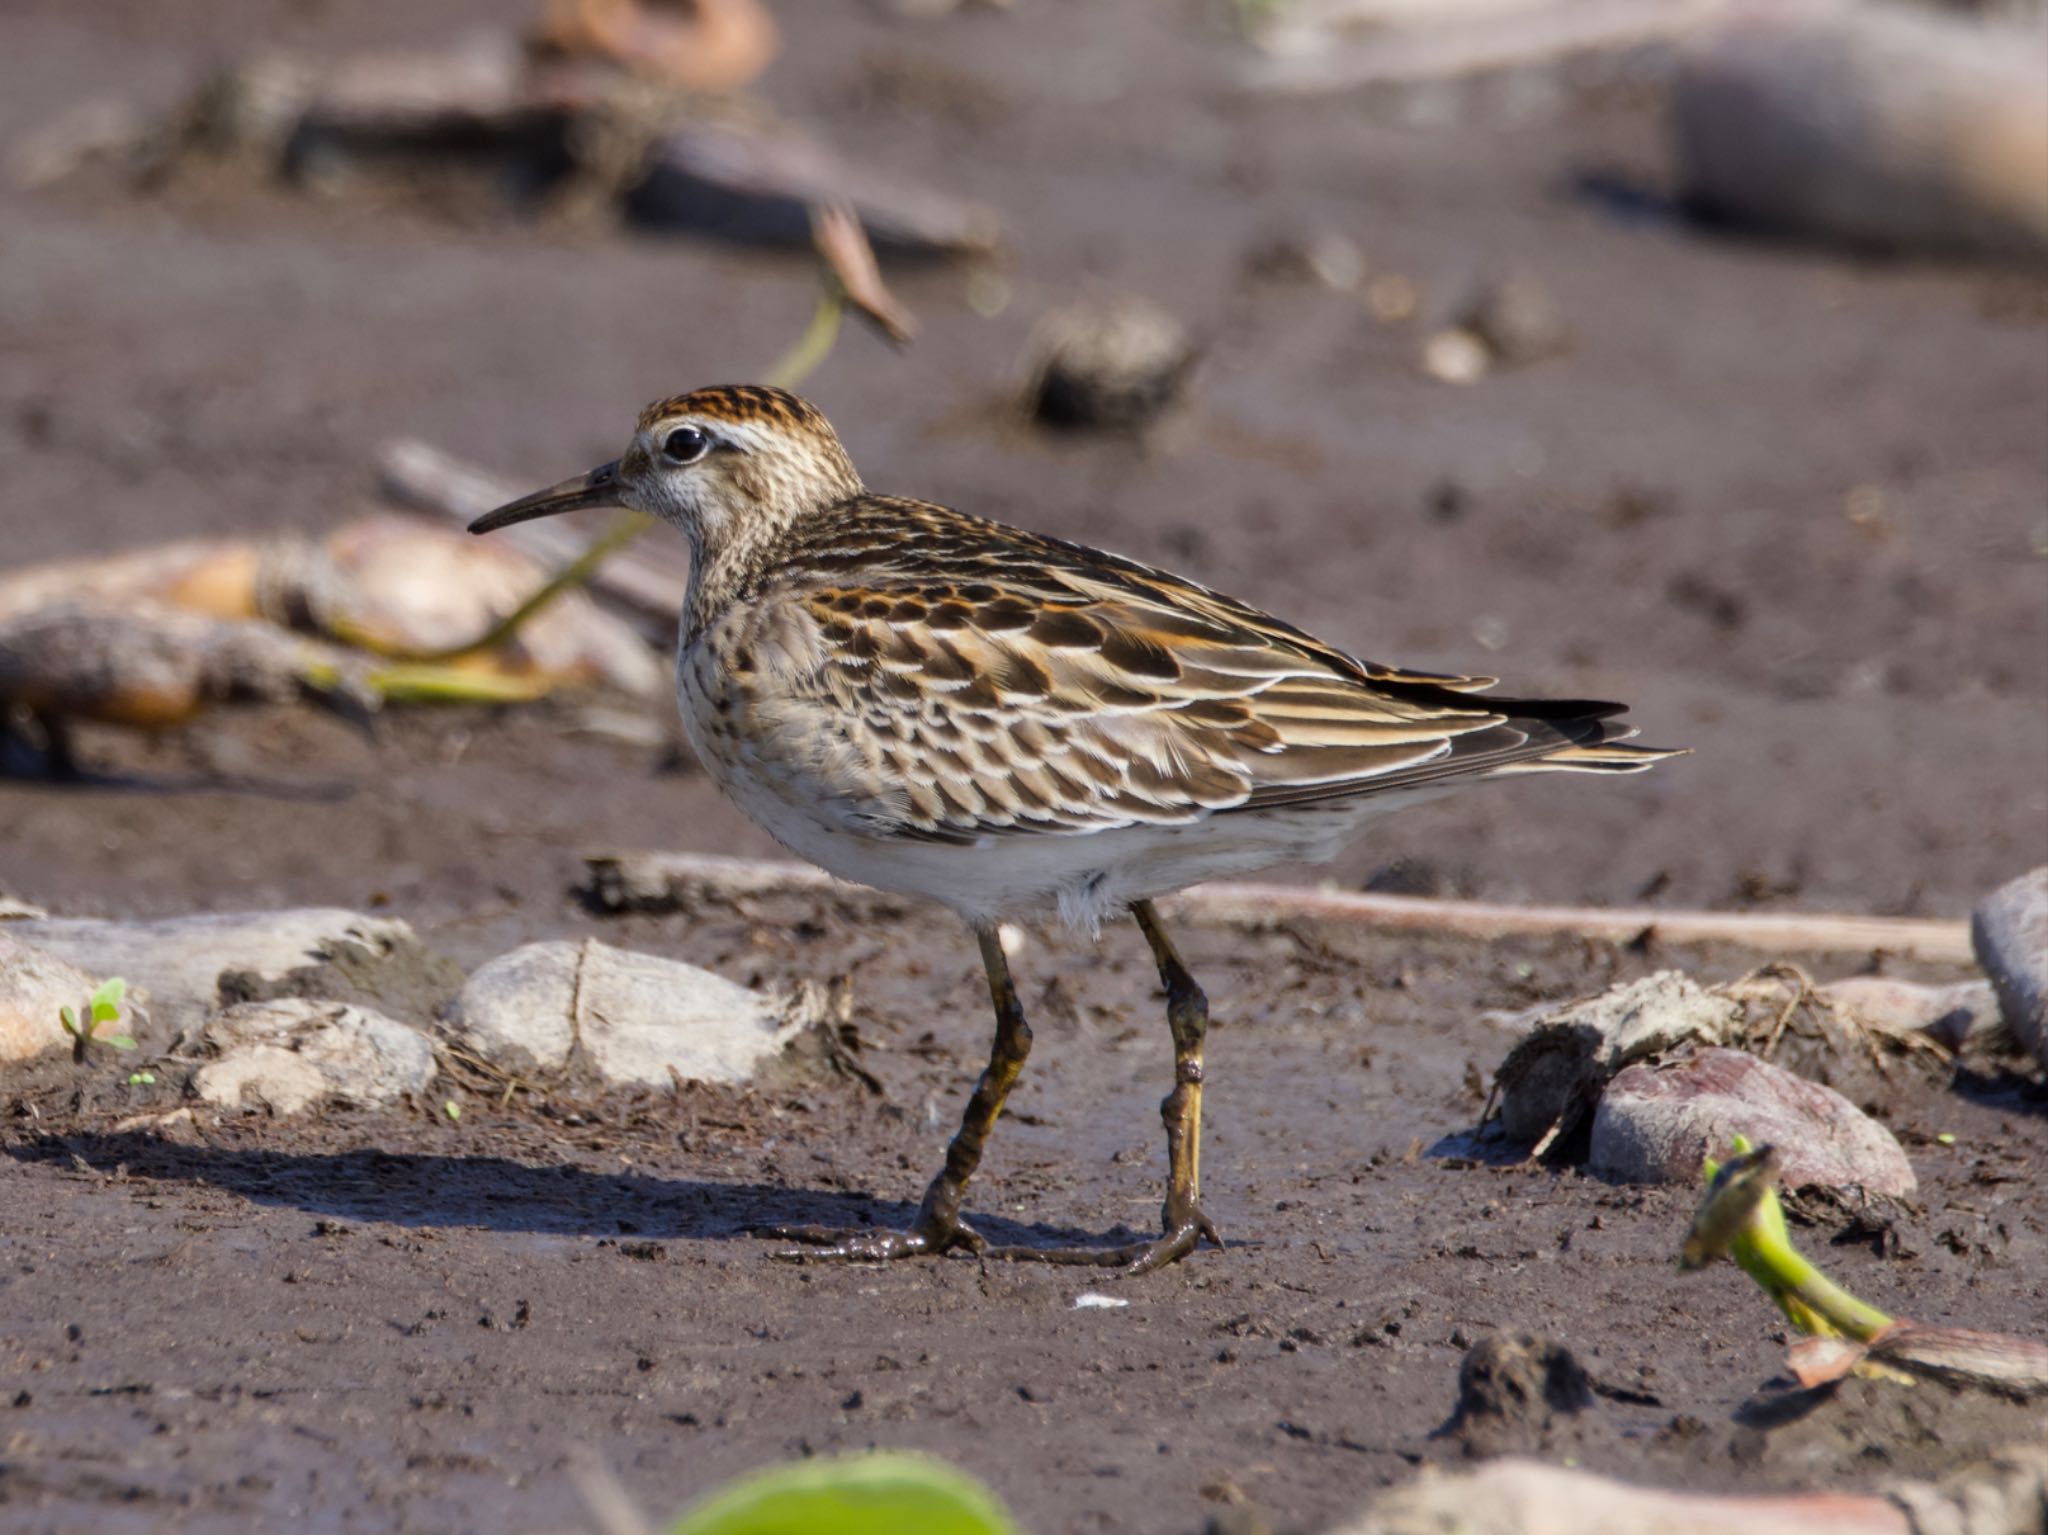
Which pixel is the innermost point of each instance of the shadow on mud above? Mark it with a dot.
(498, 1194)
(2004, 1089)
(141, 784)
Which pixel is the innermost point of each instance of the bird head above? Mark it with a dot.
(719, 463)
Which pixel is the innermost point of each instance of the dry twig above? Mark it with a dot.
(671, 881)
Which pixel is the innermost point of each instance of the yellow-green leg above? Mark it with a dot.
(938, 1226)
(1187, 1014)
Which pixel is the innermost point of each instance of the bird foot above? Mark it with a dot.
(1185, 1229)
(1185, 1225)
(925, 1239)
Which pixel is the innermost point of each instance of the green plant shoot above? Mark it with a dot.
(1741, 1217)
(875, 1494)
(103, 1007)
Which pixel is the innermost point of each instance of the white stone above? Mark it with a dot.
(292, 1054)
(1456, 357)
(178, 960)
(630, 1018)
(1948, 1014)
(262, 1077)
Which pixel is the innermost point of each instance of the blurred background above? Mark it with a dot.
(1691, 355)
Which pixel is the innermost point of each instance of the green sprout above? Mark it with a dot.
(862, 1494)
(105, 1007)
(1740, 1217)
(422, 676)
(141, 1079)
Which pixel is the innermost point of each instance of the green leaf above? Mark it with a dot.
(121, 1041)
(69, 1019)
(104, 1012)
(452, 1109)
(111, 991)
(879, 1494)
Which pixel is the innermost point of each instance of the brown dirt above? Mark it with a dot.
(410, 1323)
(414, 1322)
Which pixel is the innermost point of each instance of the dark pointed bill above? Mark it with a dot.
(600, 487)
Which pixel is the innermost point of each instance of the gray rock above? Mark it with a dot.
(179, 960)
(33, 986)
(630, 1018)
(2009, 930)
(1656, 1124)
(293, 1054)
(1551, 1078)
(1518, 320)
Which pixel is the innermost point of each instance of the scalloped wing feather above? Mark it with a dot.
(980, 680)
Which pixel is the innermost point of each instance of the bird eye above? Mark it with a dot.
(685, 445)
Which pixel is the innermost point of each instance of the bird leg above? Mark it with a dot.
(938, 1227)
(1187, 1014)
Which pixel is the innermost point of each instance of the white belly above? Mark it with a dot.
(783, 769)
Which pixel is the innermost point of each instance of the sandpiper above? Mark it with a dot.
(943, 706)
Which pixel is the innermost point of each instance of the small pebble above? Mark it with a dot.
(1456, 356)
(1328, 259)
(1517, 321)
(1392, 297)
(1113, 364)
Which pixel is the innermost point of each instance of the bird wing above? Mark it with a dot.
(1008, 682)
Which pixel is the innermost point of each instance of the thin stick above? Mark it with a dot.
(811, 348)
(815, 344)
(652, 881)
(1792, 932)
(608, 1502)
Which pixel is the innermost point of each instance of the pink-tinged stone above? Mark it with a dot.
(1656, 1123)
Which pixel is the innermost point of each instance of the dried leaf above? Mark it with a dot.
(843, 244)
(700, 45)
(1817, 1361)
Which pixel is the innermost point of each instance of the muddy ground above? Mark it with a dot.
(1790, 505)
(401, 1322)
